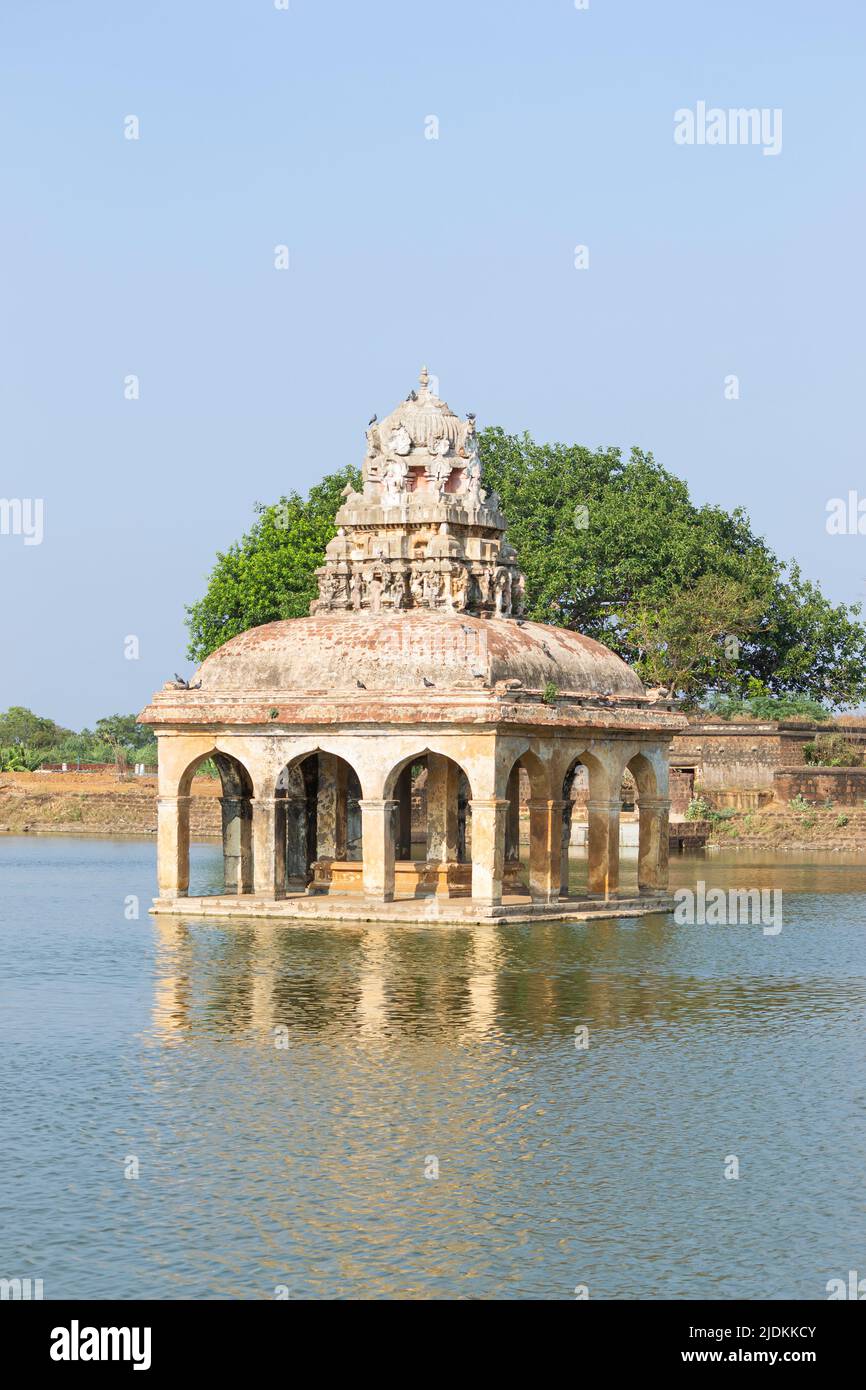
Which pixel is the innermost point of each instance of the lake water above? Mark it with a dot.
(298, 1158)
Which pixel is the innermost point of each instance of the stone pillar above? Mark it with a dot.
(442, 778)
(245, 883)
(297, 866)
(269, 855)
(604, 845)
(567, 811)
(377, 836)
(512, 821)
(545, 850)
(172, 846)
(652, 856)
(488, 848)
(403, 795)
(237, 844)
(332, 818)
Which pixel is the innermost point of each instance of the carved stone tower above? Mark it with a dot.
(423, 533)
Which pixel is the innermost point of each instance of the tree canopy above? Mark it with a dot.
(269, 573)
(20, 727)
(613, 547)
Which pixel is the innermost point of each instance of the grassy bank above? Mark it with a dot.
(788, 828)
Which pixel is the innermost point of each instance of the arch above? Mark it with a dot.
(317, 821)
(390, 781)
(597, 767)
(236, 785)
(649, 769)
(520, 757)
(293, 753)
(536, 770)
(645, 774)
(428, 828)
(602, 816)
(234, 775)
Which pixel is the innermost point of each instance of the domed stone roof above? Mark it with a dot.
(398, 652)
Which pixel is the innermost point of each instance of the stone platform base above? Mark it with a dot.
(413, 878)
(413, 911)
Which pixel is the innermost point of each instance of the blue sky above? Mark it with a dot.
(261, 127)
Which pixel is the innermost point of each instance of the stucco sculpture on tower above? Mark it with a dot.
(421, 480)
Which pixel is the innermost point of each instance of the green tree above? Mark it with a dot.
(598, 535)
(682, 640)
(269, 573)
(600, 538)
(124, 731)
(119, 732)
(20, 727)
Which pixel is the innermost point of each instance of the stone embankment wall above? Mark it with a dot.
(89, 804)
(844, 786)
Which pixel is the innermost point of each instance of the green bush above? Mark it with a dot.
(832, 750)
(759, 703)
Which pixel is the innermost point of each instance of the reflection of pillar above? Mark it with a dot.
(296, 839)
(567, 809)
(172, 845)
(172, 988)
(237, 844)
(260, 996)
(372, 1001)
(488, 848)
(652, 855)
(603, 836)
(332, 807)
(403, 795)
(512, 821)
(269, 860)
(377, 836)
(545, 850)
(442, 779)
(481, 984)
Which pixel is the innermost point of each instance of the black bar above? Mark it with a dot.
(648, 1337)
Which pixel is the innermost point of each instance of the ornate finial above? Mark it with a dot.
(424, 379)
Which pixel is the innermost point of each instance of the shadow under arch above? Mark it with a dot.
(573, 792)
(653, 815)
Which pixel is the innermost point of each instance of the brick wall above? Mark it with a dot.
(731, 756)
